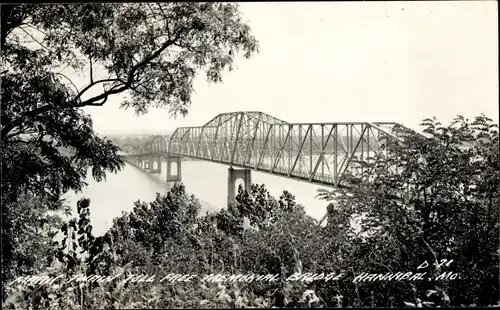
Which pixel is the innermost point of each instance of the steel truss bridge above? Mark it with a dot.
(315, 152)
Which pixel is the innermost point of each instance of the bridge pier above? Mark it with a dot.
(233, 176)
(152, 160)
(177, 161)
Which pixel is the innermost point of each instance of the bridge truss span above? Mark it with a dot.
(159, 145)
(314, 152)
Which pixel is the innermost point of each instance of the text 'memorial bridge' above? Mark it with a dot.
(320, 153)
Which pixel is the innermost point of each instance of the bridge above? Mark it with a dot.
(320, 153)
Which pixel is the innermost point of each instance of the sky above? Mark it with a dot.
(347, 61)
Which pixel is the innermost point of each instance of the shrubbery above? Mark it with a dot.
(440, 203)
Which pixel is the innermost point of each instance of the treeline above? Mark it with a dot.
(133, 143)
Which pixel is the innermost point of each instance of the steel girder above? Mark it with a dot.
(315, 152)
(159, 145)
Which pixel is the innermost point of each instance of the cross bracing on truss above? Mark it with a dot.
(159, 145)
(316, 152)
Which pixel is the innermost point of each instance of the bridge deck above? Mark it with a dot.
(316, 152)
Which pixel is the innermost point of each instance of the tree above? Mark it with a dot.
(169, 236)
(432, 198)
(148, 51)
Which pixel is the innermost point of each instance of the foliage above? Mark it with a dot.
(32, 230)
(433, 198)
(169, 236)
(148, 52)
(151, 50)
(258, 234)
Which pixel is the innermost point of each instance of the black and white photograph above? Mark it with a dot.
(206, 155)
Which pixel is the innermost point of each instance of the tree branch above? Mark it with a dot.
(94, 101)
(32, 27)
(10, 20)
(29, 34)
(434, 255)
(95, 83)
(98, 104)
(166, 20)
(68, 80)
(130, 79)
(91, 74)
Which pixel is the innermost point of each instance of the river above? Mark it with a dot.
(206, 180)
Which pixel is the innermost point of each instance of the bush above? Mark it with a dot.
(438, 204)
